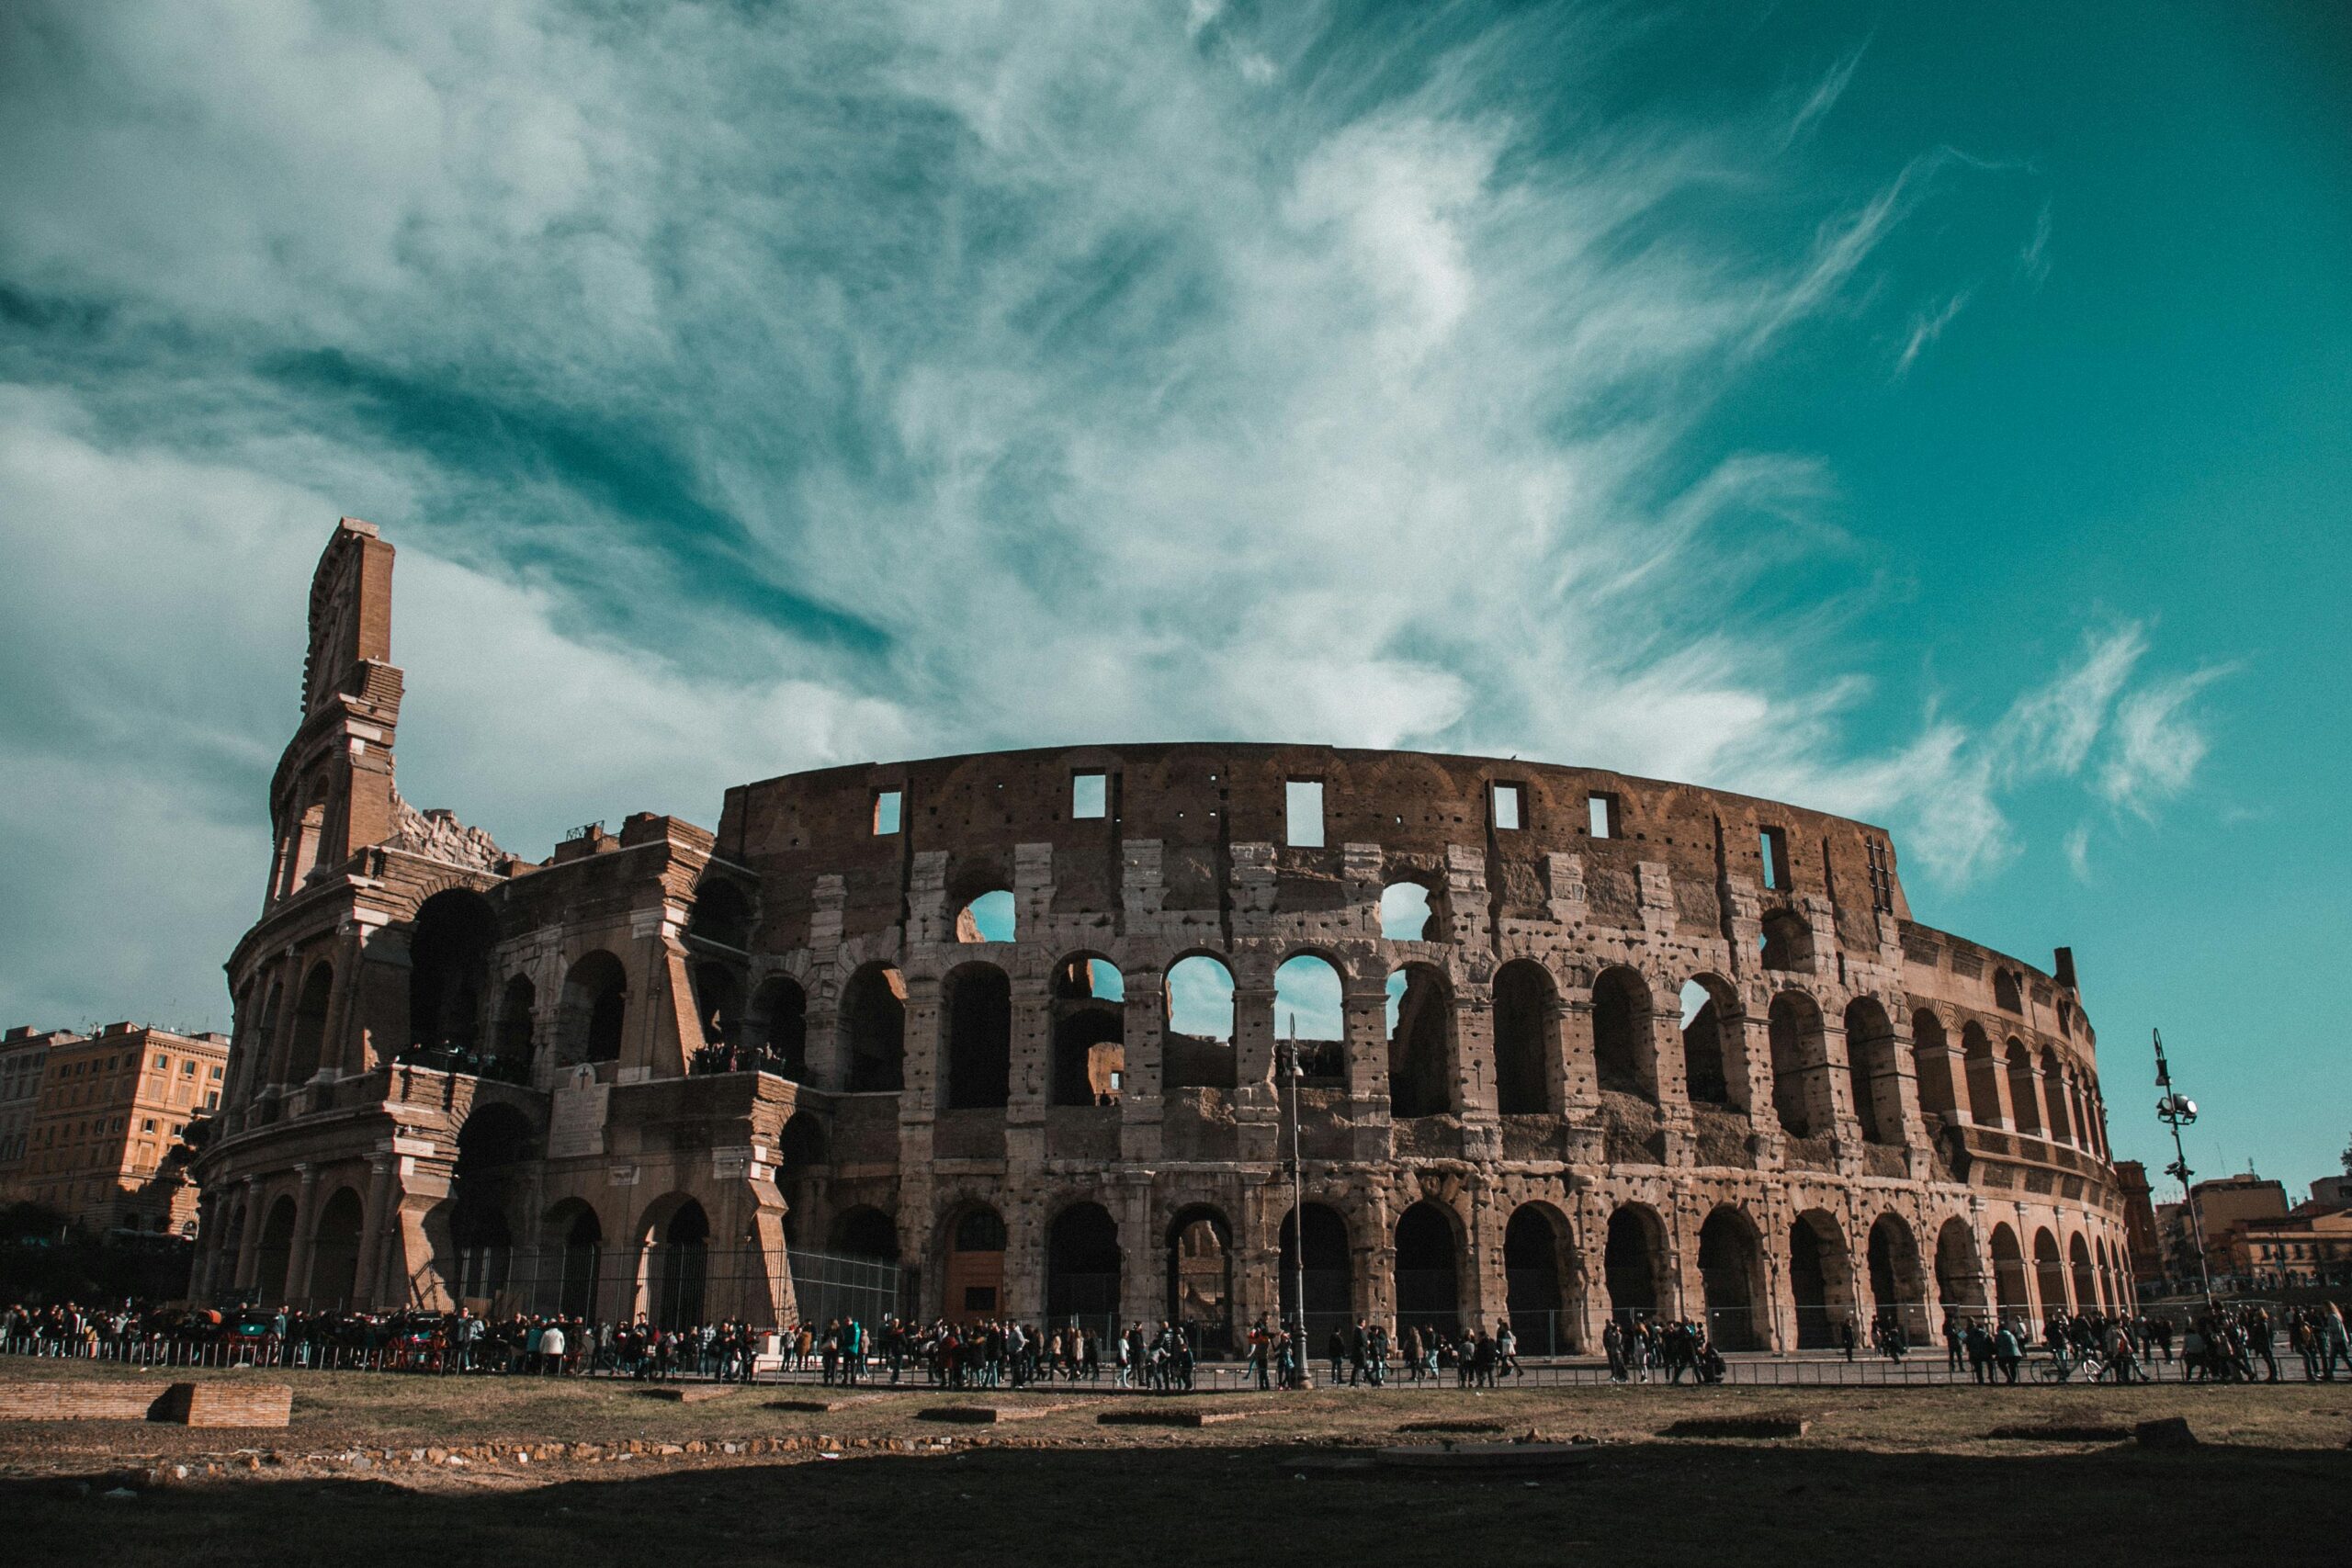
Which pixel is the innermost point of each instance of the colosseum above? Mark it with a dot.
(1058, 1035)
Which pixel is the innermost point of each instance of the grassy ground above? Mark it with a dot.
(1907, 1475)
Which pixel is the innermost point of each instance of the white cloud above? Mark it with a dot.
(1825, 95)
(1926, 329)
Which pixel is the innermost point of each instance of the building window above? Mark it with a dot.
(1303, 799)
(187, 1068)
(1090, 795)
(216, 1075)
(885, 812)
(148, 1125)
(1600, 816)
(162, 1062)
(1510, 808)
(1774, 846)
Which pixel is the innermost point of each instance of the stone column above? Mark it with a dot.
(1486, 1289)
(249, 1235)
(382, 1184)
(298, 1263)
(1142, 1101)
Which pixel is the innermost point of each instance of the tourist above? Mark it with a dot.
(1612, 1345)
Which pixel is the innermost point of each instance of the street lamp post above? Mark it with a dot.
(1286, 1058)
(2176, 1111)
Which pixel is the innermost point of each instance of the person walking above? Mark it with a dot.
(1612, 1345)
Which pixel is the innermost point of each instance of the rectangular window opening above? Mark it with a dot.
(1304, 800)
(1774, 846)
(1510, 808)
(885, 812)
(1090, 795)
(1601, 813)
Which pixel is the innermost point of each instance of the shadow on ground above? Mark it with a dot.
(1667, 1504)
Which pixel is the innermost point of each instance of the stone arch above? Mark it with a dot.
(494, 1144)
(1196, 1023)
(1983, 1075)
(1799, 1067)
(1527, 1066)
(677, 1237)
(1625, 1046)
(1874, 1071)
(1084, 1267)
(873, 1030)
(1329, 1292)
(1410, 911)
(718, 1002)
(1540, 1279)
(1310, 1008)
(591, 1019)
(778, 1024)
(866, 1232)
(1090, 1021)
(1938, 1094)
(721, 914)
(448, 974)
(335, 1252)
(2024, 1101)
(2087, 1291)
(1960, 1275)
(1731, 1271)
(2012, 1297)
(574, 1234)
(990, 916)
(305, 1056)
(1199, 1242)
(1898, 1294)
(1712, 1018)
(1634, 1264)
(972, 1263)
(511, 1045)
(276, 1252)
(1421, 1043)
(1820, 1279)
(975, 1030)
(1429, 1267)
(1785, 942)
(2050, 1274)
(2006, 995)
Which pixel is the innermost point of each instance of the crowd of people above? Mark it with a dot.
(2222, 1343)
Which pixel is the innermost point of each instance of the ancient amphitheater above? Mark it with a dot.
(1024, 1034)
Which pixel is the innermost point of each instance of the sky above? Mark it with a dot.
(1938, 416)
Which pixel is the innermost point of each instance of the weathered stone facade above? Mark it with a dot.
(1657, 1047)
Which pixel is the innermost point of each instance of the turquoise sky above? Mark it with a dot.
(1942, 415)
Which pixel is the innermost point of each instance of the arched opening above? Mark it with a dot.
(1624, 1043)
(1526, 1044)
(680, 1270)
(719, 1003)
(1785, 942)
(1874, 1071)
(2054, 1083)
(578, 1239)
(1931, 1051)
(449, 970)
(275, 1251)
(1421, 1043)
(511, 1050)
(1634, 1262)
(595, 1008)
(1800, 1071)
(1959, 1279)
(1090, 1032)
(865, 1232)
(2011, 1296)
(2050, 1275)
(334, 1253)
(2087, 1291)
(485, 1185)
(1731, 1266)
(311, 1024)
(972, 1279)
(1406, 914)
(1309, 1010)
(979, 1030)
(2005, 995)
(1326, 1261)
(1428, 1291)
(2025, 1102)
(873, 1015)
(991, 916)
(721, 915)
(1984, 1077)
(1820, 1280)
(1200, 1276)
(1710, 1034)
(1196, 1025)
(800, 1171)
(1897, 1295)
(1082, 1268)
(1538, 1266)
(778, 1022)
